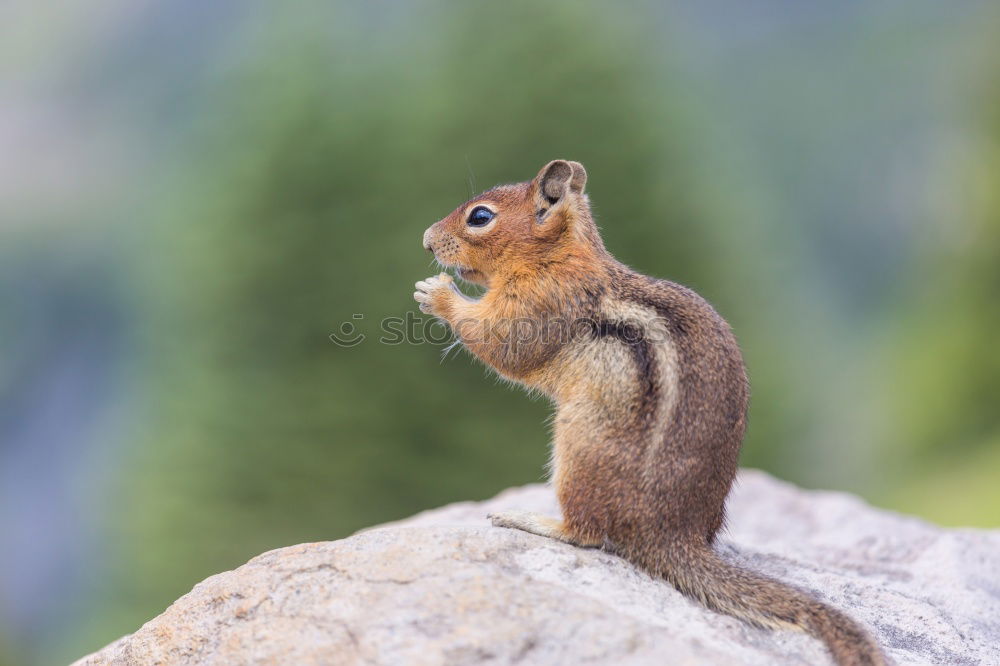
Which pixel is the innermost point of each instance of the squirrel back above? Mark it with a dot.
(650, 389)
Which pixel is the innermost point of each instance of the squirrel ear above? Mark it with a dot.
(559, 177)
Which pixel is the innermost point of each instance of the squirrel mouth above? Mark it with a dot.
(464, 272)
(470, 274)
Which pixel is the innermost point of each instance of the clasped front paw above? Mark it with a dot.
(428, 288)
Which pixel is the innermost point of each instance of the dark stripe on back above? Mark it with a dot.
(634, 338)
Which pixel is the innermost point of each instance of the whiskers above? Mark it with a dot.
(444, 353)
(451, 270)
(472, 178)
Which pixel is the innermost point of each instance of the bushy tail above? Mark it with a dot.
(698, 571)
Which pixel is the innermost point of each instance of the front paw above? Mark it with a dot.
(434, 292)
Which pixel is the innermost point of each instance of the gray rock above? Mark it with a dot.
(444, 587)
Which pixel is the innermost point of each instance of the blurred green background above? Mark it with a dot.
(195, 196)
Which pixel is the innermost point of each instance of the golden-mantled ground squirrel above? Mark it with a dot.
(649, 384)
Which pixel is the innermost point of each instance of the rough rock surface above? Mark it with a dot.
(444, 587)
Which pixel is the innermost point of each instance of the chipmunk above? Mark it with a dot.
(650, 389)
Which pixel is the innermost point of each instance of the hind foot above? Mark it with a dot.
(542, 526)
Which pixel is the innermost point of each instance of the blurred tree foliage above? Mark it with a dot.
(944, 417)
(307, 184)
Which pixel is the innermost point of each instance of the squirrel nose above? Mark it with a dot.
(427, 241)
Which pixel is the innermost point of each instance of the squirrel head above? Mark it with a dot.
(519, 228)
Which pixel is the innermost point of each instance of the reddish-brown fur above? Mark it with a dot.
(649, 385)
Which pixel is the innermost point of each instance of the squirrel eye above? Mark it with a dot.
(480, 216)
